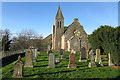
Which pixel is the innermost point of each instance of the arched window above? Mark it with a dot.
(57, 24)
(60, 24)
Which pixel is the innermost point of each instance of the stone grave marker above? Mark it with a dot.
(110, 62)
(48, 48)
(100, 61)
(61, 52)
(50, 51)
(98, 52)
(92, 64)
(72, 61)
(18, 68)
(83, 55)
(28, 59)
(34, 54)
(51, 60)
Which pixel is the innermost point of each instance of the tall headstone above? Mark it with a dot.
(18, 68)
(28, 59)
(34, 54)
(98, 52)
(72, 61)
(83, 55)
(51, 60)
(48, 48)
(92, 64)
(110, 62)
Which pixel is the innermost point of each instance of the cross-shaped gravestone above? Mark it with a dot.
(18, 68)
(72, 61)
(28, 58)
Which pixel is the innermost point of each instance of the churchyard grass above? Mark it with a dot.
(40, 69)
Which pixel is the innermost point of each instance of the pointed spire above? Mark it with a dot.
(59, 13)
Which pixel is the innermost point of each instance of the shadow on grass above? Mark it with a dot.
(41, 66)
(50, 73)
(41, 60)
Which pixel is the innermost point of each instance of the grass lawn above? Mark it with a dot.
(40, 69)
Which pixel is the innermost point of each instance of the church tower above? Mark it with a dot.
(58, 30)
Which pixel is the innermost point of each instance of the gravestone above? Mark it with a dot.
(50, 51)
(51, 60)
(83, 55)
(18, 68)
(61, 52)
(72, 61)
(34, 54)
(92, 64)
(48, 48)
(57, 60)
(100, 62)
(110, 62)
(98, 52)
(28, 59)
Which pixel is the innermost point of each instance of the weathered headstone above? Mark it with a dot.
(83, 55)
(98, 52)
(110, 62)
(33, 51)
(72, 61)
(18, 68)
(92, 64)
(51, 60)
(57, 60)
(28, 59)
(36, 52)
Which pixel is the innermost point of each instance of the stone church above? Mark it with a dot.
(72, 37)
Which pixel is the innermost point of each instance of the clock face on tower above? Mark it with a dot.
(76, 33)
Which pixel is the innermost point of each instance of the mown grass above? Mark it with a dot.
(40, 69)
